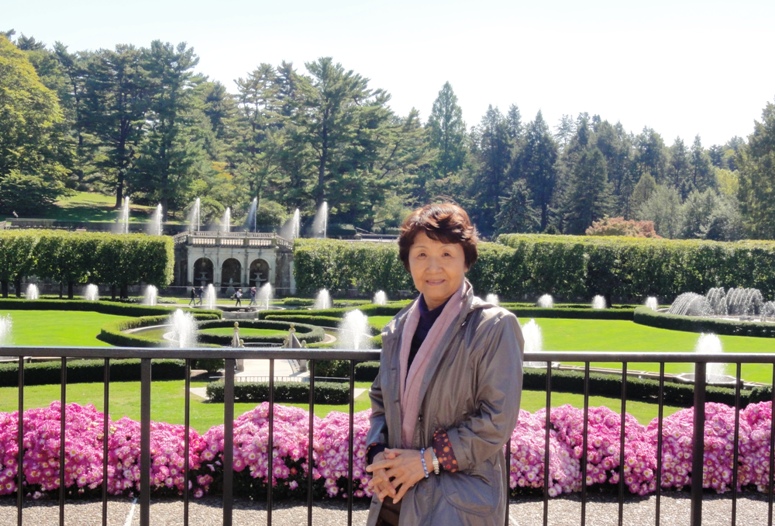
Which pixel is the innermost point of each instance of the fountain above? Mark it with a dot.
(290, 230)
(183, 332)
(354, 331)
(265, 296)
(250, 222)
(6, 324)
(322, 300)
(320, 223)
(598, 302)
(194, 216)
(715, 373)
(741, 303)
(32, 292)
(546, 301)
(155, 226)
(226, 221)
(91, 292)
(493, 299)
(380, 298)
(652, 303)
(534, 341)
(150, 296)
(123, 217)
(209, 297)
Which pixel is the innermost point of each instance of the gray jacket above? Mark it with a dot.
(472, 389)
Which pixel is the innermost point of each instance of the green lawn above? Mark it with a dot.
(66, 328)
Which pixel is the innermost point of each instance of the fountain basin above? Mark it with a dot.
(720, 380)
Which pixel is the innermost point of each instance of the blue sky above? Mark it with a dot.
(682, 67)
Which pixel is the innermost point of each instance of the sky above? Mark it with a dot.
(682, 67)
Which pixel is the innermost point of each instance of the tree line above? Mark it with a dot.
(140, 122)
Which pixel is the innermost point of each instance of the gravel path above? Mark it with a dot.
(602, 510)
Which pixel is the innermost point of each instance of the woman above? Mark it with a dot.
(447, 396)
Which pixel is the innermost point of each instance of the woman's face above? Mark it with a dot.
(438, 269)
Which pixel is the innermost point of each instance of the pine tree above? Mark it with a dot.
(757, 177)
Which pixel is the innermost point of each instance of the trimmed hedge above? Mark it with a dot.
(113, 332)
(664, 320)
(103, 307)
(304, 332)
(297, 392)
(629, 269)
(88, 371)
(77, 257)
(638, 389)
(571, 268)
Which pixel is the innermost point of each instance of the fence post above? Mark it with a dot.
(698, 447)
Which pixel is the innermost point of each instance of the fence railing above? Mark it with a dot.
(699, 363)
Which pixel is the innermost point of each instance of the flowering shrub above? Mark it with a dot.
(332, 452)
(290, 466)
(677, 441)
(251, 443)
(528, 447)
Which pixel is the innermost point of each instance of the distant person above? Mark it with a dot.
(192, 302)
(200, 292)
(238, 298)
(252, 295)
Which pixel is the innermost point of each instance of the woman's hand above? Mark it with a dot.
(399, 468)
(380, 481)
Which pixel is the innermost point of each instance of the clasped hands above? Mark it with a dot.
(394, 471)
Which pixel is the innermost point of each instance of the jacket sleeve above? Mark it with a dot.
(378, 430)
(497, 366)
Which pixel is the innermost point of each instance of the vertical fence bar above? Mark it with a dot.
(62, 430)
(508, 477)
(270, 447)
(228, 440)
(20, 440)
(350, 445)
(310, 450)
(772, 460)
(698, 448)
(584, 445)
(186, 440)
(145, 442)
(622, 434)
(660, 417)
(548, 425)
(105, 437)
(736, 441)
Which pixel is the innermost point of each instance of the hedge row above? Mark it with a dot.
(664, 320)
(80, 257)
(103, 307)
(88, 371)
(114, 332)
(630, 269)
(571, 268)
(296, 392)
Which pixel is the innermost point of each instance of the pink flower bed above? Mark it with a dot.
(290, 466)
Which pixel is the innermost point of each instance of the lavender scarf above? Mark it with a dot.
(411, 381)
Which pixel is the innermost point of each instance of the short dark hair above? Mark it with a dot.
(445, 222)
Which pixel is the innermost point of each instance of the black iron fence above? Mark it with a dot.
(699, 363)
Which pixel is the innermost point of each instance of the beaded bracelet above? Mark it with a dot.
(424, 467)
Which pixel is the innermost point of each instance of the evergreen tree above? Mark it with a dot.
(616, 146)
(664, 209)
(651, 155)
(171, 155)
(590, 195)
(678, 169)
(447, 136)
(492, 149)
(642, 192)
(701, 170)
(535, 164)
(757, 177)
(517, 213)
(115, 101)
